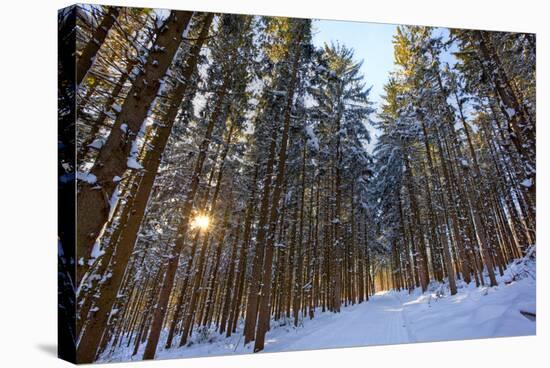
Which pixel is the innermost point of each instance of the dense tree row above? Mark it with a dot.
(224, 181)
(454, 183)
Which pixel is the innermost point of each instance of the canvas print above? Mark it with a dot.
(233, 183)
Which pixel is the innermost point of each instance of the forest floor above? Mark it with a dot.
(389, 317)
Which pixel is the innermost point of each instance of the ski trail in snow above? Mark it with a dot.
(406, 323)
(379, 321)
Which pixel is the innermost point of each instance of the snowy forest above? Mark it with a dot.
(238, 190)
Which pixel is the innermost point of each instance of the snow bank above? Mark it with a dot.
(87, 177)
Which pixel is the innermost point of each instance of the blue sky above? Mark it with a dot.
(372, 43)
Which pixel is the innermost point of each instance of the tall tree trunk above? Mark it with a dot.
(423, 267)
(241, 271)
(187, 206)
(88, 55)
(93, 199)
(229, 285)
(255, 278)
(442, 197)
(264, 310)
(298, 282)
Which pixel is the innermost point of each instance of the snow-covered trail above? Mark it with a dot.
(379, 321)
(387, 318)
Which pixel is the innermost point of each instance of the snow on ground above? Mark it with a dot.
(387, 318)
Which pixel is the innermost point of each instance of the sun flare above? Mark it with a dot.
(200, 222)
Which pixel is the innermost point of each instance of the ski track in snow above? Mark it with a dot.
(387, 318)
(385, 325)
